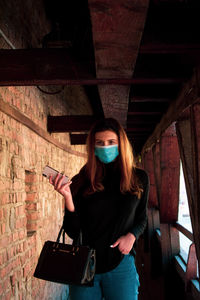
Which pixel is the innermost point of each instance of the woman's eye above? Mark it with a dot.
(99, 143)
(112, 142)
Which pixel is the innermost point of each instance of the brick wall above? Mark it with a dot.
(30, 210)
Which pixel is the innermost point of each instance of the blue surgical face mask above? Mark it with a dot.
(106, 154)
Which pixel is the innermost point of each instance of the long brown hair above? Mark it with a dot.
(126, 162)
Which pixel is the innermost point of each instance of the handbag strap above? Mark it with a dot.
(61, 231)
(78, 241)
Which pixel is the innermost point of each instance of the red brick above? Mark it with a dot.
(11, 252)
(30, 188)
(33, 252)
(31, 206)
(22, 196)
(8, 295)
(15, 263)
(4, 184)
(30, 178)
(20, 295)
(25, 244)
(27, 269)
(20, 223)
(1, 214)
(13, 198)
(4, 198)
(17, 185)
(32, 241)
(32, 226)
(5, 270)
(22, 234)
(13, 279)
(20, 247)
(3, 228)
(20, 210)
(13, 148)
(5, 240)
(18, 138)
(32, 216)
(22, 259)
(3, 257)
(1, 290)
(35, 293)
(15, 236)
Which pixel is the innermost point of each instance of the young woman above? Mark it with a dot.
(107, 200)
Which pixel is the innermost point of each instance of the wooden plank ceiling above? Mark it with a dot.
(132, 57)
(170, 50)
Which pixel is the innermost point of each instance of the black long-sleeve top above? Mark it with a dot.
(105, 216)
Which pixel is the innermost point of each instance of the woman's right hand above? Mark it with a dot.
(64, 190)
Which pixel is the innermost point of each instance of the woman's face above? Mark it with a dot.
(106, 138)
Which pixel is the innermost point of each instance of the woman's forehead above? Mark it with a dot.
(106, 134)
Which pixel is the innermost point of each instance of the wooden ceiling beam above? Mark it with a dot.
(144, 113)
(51, 66)
(188, 96)
(162, 48)
(40, 67)
(139, 129)
(142, 122)
(70, 123)
(159, 80)
(148, 99)
(31, 67)
(78, 139)
(148, 107)
(140, 136)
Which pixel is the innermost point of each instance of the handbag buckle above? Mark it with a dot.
(72, 251)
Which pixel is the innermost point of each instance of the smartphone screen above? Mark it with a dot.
(48, 171)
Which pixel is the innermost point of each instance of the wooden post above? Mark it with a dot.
(167, 166)
(149, 167)
(169, 245)
(157, 170)
(191, 269)
(195, 125)
(189, 143)
(170, 172)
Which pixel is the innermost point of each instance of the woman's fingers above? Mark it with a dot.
(57, 182)
(125, 243)
(120, 246)
(115, 244)
(51, 179)
(65, 187)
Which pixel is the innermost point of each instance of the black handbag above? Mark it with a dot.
(67, 264)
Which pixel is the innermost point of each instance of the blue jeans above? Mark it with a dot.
(119, 284)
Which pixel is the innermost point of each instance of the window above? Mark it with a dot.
(184, 217)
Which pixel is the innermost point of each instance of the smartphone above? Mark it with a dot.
(48, 171)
